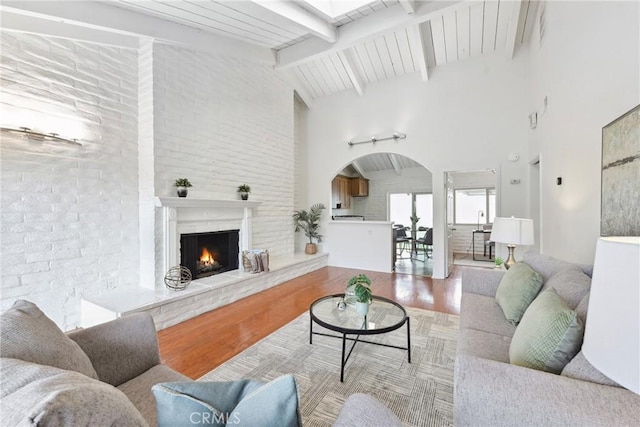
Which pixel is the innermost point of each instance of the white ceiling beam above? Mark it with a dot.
(349, 62)
(512, 31)
(300, 88)
(32, 25)
(104, 17)
(409, 6)
(303, 18)
(358, 167)
(364, 29)
(416, 43)
(395, 163)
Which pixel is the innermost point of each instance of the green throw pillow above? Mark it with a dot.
(518, 287)
(237, 403)
(549, 335)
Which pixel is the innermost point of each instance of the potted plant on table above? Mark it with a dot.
(244, 191)
(309, 222)
(350, 291)
(364, 297)
(498, 263)
(182, 184)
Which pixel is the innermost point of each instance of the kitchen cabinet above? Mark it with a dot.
(341, 192)
(359, 187)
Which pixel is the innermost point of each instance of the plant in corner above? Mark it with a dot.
(244, 191)
(309, 222)
(183, 184)
(498, 262)
(363, 294)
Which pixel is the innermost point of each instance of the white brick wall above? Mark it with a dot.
(222, 122)
(69, 214)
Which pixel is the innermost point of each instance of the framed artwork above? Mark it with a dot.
(620, 208)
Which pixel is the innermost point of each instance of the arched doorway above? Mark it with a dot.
(389, 187)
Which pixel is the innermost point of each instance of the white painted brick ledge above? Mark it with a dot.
(169, 307)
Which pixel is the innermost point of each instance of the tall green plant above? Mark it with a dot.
(309, 222)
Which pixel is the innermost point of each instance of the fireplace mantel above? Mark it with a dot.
(189, 215)
(185, 202)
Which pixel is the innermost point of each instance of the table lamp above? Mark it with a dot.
(612, 333)
(512, 231)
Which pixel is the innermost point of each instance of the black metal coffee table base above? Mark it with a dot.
(345, 332)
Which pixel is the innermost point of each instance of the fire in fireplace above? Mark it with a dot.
(206, 254)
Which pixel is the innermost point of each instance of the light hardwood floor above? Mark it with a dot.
(198, 345)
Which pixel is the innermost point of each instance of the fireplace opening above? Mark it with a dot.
(206, 254)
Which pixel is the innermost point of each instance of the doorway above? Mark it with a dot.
(412, 215)
(471, 206)
(378, 176)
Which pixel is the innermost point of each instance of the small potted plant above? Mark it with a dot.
(363, 296)
(244, 191)
(350, 291)
(498, 263)
(309, 222)
(182, 184)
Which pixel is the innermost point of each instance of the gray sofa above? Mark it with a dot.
(101, 376)
(122, 353)
(489, 391)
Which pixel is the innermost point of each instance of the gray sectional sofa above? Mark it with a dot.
(489, 391)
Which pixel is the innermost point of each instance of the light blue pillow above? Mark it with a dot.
(238, 403)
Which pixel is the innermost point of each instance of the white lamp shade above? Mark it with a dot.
(612, 333)
(512, 231)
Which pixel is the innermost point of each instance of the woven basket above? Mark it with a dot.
(246, 263)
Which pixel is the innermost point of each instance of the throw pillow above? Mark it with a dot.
(549, 335)
(518, 287)
(40, 395)
(237, 403)
(571, 284)
(28, 334)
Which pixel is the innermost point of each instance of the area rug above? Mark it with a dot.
(420, 393)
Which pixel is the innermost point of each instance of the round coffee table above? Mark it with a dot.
(384, 316)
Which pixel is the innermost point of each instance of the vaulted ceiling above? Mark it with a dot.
(322, 46)
(369, 42)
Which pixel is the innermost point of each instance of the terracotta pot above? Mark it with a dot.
(310, 248)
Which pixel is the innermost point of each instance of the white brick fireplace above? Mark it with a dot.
(188, 215)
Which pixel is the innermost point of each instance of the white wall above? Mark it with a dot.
(469, 116)
(382, 183)
(365, 245)
(69, 213)
(589, 68)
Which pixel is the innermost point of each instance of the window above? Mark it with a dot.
(401, 206)
(474, 205)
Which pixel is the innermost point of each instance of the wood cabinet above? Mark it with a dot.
(341, 192)
(359, 187)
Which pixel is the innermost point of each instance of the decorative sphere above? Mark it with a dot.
(178, 278)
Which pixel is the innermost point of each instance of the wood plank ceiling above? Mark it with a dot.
(376, 41)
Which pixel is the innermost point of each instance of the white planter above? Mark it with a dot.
(362, 308)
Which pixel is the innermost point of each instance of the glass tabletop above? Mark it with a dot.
(384, 315)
